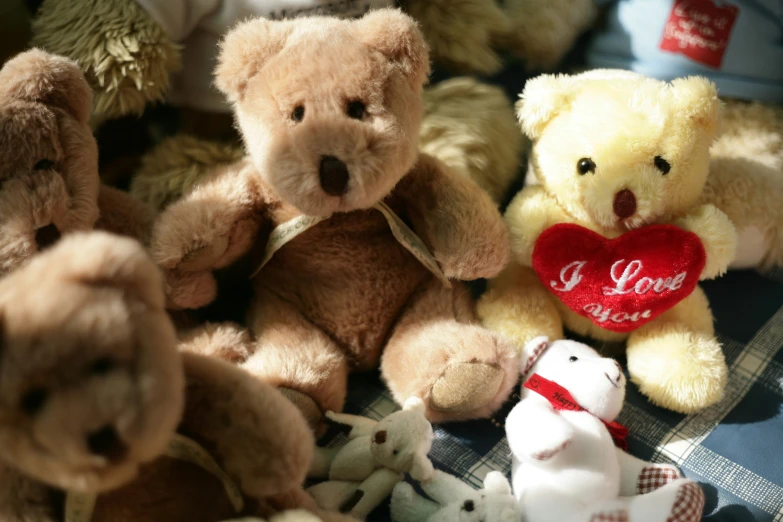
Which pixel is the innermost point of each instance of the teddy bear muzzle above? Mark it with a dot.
(624, 205)
(333, 175)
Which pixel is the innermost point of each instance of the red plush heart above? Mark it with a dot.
(622, 283)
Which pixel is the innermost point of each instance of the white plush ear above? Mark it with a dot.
(496, 482)
(532, 352)
(543, 98)
(696, 97)
(414, 404)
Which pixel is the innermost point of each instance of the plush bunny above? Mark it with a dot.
(455, 501)
(363, 472)
(568, 461)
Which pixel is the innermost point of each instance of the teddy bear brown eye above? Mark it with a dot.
(356, 110)
(585, 165)
(34, 400)
(101, 366)
(573, 358)
(298, 113)
(662, 165)
(43, 164)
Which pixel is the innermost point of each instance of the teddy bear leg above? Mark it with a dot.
(409, 506)
(678, 501)
(638, 476)
(439, 353)
(470, 126)
(517, 306)
(676, 360)
(227, 341)
(297, 357)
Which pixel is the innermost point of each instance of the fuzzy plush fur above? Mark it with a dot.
(675, 359)
(345, 292)
(93, 388)
(565, 465)
(49, 182)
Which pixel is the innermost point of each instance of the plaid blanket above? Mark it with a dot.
(730, 449)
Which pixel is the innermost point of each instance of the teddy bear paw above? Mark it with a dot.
(466, 387)
(689, 503)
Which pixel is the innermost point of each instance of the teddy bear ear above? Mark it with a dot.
(414, 404)
(541, 100)
(496, 482)
(245, 50)
(38, 76)
(697, 98)
(396, 36)
(101, 259)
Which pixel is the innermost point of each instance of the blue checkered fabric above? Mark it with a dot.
(731, 449)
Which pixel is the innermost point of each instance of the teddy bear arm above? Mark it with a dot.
(127, 67)
(536, 431)
(360, 426)
(213, 225)
(375, 488)
(122, 214)
(458, 220)
(257, 435)
(718, 235)
(531, 212)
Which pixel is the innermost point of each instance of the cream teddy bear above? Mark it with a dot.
(363, 472)
(568, 464)
(455, 501)
(614, 239)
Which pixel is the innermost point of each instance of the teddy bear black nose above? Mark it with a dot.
(46, 236)
(107, 443)
(624, 204)
(334, 176)
(468, 506)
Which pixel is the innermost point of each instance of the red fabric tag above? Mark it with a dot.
(700, 30)
(622, 283)
(561, 399)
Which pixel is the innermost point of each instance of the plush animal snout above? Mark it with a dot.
(624, 204)
(334, 175)
(46, 236)
(107, 443)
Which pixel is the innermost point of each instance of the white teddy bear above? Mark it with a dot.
(566, 466)
(455, 501)
(364, 471)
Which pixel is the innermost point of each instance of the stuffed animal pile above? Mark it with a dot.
(175, 351)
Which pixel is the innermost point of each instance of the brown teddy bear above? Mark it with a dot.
(330, 112)
(93, 389)
(614, 239)
(49, 182)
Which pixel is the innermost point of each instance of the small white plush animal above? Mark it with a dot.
(566, 466)
(455, 501)
(364, 471)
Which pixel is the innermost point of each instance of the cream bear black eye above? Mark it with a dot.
(662, 165)
(298, 113)
(101, 366)
(356, 110)
(34, 400)
(585, 165)
(44, 164)
(394, 452)
(573, 358)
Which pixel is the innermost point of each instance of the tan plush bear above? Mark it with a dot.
(93, 389)
(49, 182)
(330, 112)
(616, 235)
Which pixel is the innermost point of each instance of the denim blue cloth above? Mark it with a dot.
(751, 68)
